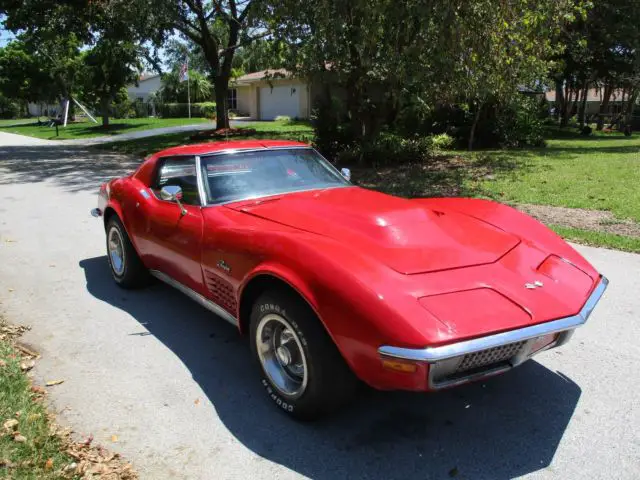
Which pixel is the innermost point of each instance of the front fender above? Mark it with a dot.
(355, 315)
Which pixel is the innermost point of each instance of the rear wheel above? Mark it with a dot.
(126, 267)
(302, 370)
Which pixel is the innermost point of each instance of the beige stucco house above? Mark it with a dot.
(594, 99)
(268, 94)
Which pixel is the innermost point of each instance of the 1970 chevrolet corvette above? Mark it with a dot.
(333, 283)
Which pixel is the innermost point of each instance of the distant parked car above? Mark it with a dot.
(334, 283)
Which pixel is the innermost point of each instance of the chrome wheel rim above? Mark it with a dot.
(115, 245)
(281, 355)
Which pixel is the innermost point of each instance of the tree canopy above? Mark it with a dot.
(382, 65)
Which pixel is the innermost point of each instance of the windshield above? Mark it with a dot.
(252, 174)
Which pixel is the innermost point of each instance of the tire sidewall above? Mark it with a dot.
(290, 405)
(115, 224)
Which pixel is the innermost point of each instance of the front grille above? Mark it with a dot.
(490, 356)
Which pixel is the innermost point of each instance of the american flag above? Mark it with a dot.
(184, 71)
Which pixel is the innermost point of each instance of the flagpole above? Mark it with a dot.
(188, 87)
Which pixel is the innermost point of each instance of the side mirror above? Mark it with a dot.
(173, 193)
(346, 173)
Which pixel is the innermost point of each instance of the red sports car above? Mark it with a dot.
(334, 283)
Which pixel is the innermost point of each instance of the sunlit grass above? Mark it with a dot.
(89, 129)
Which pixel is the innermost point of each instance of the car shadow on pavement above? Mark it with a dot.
(503, 428)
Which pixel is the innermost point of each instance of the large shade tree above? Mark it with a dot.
(602, 51)
(41, 68)
(434, 51)
(109, 66)
(218, 28)
(113, 33)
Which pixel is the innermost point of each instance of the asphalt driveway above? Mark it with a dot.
(178, 388)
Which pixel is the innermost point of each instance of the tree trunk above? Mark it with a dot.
(629, 107)
(559, 100)
(583, 104)
(565, 114)
(353, 107)
(604, 105)
(224, 74)
(222, 112)
(574, 106)
(104, 105)
(472, 134)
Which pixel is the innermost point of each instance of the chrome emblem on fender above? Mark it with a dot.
(536, 284)
(224, 266)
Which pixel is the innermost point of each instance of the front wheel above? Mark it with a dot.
(302, 370)
(126, 267)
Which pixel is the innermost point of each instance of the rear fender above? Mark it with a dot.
(114, 191)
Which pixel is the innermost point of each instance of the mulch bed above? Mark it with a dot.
(594, 220)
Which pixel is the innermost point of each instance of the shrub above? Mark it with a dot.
(519, 123)
(181, 110)
(205, 109)
(9, 108)
(122, 107)
(387, 148)
(442, 141)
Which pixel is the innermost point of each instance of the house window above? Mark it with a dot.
(232, 99)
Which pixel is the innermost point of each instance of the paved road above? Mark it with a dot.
(140, 134)
(178, 388)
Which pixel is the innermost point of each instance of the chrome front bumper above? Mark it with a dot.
(518, 345)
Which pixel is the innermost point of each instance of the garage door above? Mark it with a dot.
(279, 100)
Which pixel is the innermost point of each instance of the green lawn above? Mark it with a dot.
(598, 239)
(90, 129)
(14, 121)
(299, 131)
(601, 172)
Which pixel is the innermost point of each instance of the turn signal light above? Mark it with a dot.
(399, 366)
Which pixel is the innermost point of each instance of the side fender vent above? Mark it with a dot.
(221, 292)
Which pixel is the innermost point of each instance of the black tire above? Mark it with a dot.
(133, 274)
(330, 382)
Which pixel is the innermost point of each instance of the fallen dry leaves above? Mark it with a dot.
(52, 383)
(11, 332)
(97, 462)
(10, 426)
(91, 461)
(27, 365)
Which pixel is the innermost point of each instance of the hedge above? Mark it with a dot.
(181, 110)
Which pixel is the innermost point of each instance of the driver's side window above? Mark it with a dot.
(181, 172)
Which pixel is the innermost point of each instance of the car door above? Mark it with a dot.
(174, 237)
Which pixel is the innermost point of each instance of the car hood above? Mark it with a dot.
(405, 236)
